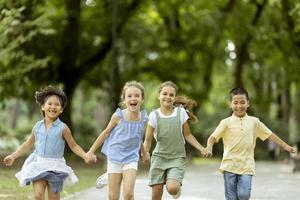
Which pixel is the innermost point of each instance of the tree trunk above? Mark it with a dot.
(297, 116)
(15, 114)
(242, 50)
(114, 79)
(69, 55)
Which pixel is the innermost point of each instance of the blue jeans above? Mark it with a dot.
(237, 187)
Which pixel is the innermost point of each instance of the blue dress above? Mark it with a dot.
(47, 161)
(124, 143)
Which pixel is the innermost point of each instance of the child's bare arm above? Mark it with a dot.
(25, 147)
(148, 138)
(72, 144)
(105, 133)
(274, 138)
(190, 138)
(145, 154)
(90, 155)
(210, 143)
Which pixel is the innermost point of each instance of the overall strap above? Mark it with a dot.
(157, 121)
(179, 114)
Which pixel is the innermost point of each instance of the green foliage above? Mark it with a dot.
(197, 44)
(295, 13)
(16, 59)
(86, 132)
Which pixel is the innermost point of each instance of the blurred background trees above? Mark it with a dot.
(91, 47)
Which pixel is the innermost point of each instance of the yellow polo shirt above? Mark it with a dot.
(239, 140)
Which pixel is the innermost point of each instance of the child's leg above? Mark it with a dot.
(174, 179)
(129, 177)
(173, 186)
(114, 185)
(39, 188)
(157, 192)
(114, 172)
(244, 186)
(52, 195)
(230, 185)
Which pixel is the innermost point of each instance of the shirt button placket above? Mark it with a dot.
(241, 125)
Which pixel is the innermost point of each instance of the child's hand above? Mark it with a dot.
(146, 157)
(206, 152)
(9, 160)
(90, 158)
(290, 149)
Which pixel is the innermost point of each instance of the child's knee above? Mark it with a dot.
(128, 195)
(173, 186)
(113, 196)
(39, 195)
(173, 189)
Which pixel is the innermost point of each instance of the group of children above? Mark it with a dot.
(123, 140)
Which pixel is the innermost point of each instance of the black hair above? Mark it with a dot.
(237, 91)
(42, 95)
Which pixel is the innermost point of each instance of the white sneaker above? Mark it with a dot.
(176, 196)
(102, 181)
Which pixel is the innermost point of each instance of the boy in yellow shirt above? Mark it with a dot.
(239, 133)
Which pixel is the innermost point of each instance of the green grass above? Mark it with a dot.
(10, 189)
(9, 186)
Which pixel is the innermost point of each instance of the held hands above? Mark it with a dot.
(206, 152)
(146, 157)
(9, 160)
(90, 158)
(289, 149)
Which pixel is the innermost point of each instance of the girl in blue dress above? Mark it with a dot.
(46, 167)
(123, 138)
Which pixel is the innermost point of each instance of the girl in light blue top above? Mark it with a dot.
(46, 166)
(123, 138)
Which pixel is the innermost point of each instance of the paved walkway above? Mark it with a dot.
(273, 181)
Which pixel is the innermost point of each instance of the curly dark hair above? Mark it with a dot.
(42, 95)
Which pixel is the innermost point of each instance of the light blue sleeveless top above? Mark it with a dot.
(124, 143)
(49, 143)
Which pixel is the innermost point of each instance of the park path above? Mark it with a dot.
(273, 181)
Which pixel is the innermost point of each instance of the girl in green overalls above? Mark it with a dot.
(169, 126)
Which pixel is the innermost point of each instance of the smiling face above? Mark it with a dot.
(239, 105)
(167, 96)
(133, 98)
(52, 107)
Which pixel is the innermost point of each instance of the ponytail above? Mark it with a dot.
(188, 105)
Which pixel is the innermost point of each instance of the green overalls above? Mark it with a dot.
(168, 157)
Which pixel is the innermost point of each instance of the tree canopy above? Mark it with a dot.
(206, 47)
